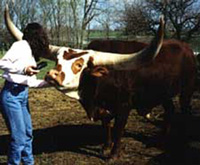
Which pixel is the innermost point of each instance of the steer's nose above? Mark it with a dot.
(55, 77)
(53, 73)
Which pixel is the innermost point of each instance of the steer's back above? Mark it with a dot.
(172, 72)
(116, 46)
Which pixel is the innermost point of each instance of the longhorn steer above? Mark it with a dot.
(90, 75)
(106, 93)
(110, 90)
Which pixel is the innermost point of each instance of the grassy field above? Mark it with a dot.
(1, 55)
(102, 34)
(63, 135)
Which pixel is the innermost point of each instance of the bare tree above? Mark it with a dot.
(25, 11)
(182, 17)
(21, 11)
(75, 27)
(134, 19)
(54, 18)
(83, 13)
(66, 20)
(2, 30)
(109, 16)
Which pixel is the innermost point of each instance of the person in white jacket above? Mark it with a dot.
(19, 65)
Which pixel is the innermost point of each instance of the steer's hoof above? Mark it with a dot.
(105, 152)
(112, 158)
(114, 155)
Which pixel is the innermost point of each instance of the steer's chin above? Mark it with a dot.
(53, 82)
(99, 114)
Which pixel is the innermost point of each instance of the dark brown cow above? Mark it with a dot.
(106, 93)
(119, 46)
(70, 77)
(110, 91)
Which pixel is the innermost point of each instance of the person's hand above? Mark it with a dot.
(29, 70)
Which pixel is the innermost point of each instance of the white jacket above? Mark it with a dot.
(16, 59)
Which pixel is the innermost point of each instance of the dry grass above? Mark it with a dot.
(64, 136)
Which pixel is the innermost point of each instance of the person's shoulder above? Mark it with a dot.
(19, 48)
(21, 43)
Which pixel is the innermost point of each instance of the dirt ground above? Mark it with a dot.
(63, 135)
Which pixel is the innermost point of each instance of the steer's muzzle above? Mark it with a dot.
(54, 77)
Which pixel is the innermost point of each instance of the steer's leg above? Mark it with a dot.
(169, 108)
(108, 136)
(120, 122)
(185, 99)
(188, 81)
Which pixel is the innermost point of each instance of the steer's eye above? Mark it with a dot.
(79, 65)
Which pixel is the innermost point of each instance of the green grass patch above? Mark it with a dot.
(50, 65)
(194, 43)
(102, 34)
(1, 79)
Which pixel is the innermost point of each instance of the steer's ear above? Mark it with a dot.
(90, 63)
(99, 71)
(96, 71)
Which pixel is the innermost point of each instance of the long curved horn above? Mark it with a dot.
(14, 31)
(126, 61)
(17, 34)
(154, 48)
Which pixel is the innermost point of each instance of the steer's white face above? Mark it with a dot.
(70, 64)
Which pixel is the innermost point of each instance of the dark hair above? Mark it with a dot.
(37, 38)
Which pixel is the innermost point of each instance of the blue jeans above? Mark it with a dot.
(15, 110)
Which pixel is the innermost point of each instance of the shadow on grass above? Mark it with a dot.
(181, 146)
(83, 139)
